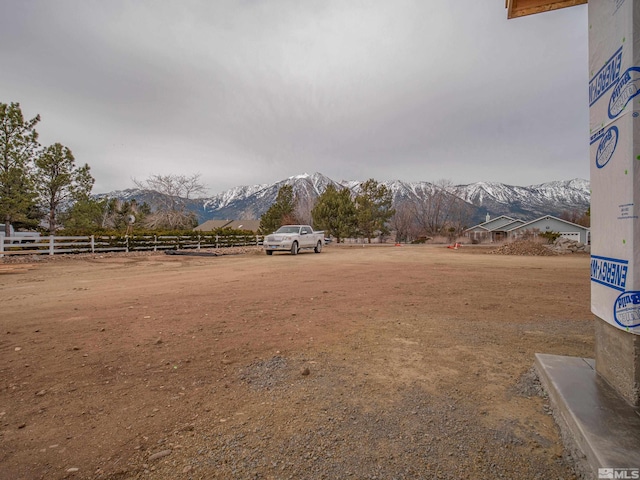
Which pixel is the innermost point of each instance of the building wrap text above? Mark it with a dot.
(609, 272)
(606, 77)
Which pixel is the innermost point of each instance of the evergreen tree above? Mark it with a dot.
(18, 148)
(84, 217)
(58, 181)
(281, 212)
(116, 213)
(335, 213)
(373, 209)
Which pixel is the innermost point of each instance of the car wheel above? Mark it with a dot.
(269, 252)
(294, 248)
(318, 248)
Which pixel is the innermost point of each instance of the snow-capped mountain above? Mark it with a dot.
(526, 203)
(250, 202)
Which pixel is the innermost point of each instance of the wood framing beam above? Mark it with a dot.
(520, 8)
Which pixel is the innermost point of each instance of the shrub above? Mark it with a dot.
(550, 236)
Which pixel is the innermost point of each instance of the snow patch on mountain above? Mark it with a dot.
(526, 203)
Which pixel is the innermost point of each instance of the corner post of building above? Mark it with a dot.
(614, 61)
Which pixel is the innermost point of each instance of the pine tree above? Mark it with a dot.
(335, 213)
(373, 209)
(58, 181)
(84, 217)
(18, 148)
(282, 212)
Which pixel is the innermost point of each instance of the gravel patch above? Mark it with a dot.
(529, 385)
(413, 434)
(524, 247)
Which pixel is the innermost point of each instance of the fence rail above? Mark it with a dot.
(52, 245)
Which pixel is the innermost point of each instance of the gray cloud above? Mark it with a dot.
(254, 91)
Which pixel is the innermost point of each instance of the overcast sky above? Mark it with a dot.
(255, 91)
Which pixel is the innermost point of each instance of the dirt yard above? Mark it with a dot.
(360, 362)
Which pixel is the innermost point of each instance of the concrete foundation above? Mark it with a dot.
(599, 428)
(618, 360)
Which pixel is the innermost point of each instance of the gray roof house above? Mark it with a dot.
(502, 228)
(209, 225)
(253, 225)
(212, 225)
(493, 230)
(549, 223)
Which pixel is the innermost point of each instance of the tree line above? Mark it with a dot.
(36, 182)
(43, 186)
(335, 211)
(371, 213)
(436, 211)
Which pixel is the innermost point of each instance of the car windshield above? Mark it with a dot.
(288, 229)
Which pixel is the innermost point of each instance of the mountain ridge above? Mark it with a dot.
(523, 202)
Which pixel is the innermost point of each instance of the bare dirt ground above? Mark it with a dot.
(377, 362)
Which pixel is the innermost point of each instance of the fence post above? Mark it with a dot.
(198, 241)
(216, 241)
(51, 244)
(126, 243)
(1, 246)
(93, 244)
(155, 243)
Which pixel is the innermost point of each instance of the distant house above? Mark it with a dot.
(493, 230)
(210, 225)
(252, 225)
(549, 223)
(506, 228)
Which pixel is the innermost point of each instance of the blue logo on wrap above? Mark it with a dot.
(606, 77)
(626, 310)
(609, 272)
(628, 87)
(607, 147)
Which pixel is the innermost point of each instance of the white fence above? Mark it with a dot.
(52, 245)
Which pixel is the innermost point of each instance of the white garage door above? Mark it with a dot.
(571, 235)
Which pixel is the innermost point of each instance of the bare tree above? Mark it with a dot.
(577, 217)
(432, 210)
(403, 222)
(170, 195)
(460, 213)
(303, 206)
(442, 211)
